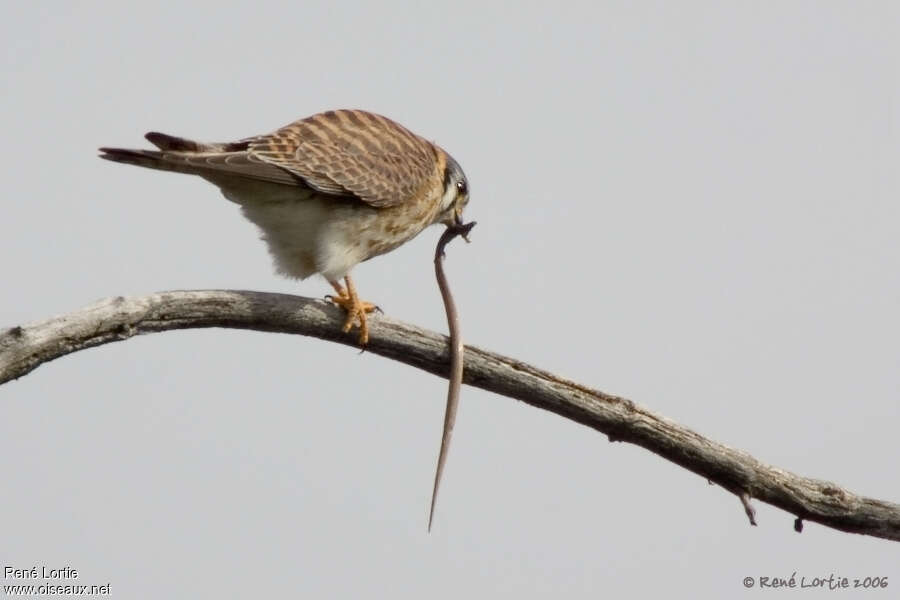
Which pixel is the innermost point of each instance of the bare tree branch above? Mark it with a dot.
(24, 348)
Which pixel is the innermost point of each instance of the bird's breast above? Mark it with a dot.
(322, 234)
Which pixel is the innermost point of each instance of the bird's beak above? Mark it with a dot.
(457, 216)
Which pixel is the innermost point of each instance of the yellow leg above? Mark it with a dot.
(356, 309)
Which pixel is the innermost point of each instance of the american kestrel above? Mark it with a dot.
(328, 191)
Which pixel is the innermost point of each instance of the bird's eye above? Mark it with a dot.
(461, 187)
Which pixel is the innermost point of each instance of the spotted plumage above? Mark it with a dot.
(328, 191)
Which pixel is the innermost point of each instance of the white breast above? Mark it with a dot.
(307, 234)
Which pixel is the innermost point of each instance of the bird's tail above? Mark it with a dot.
(172, 154)
(142, 158)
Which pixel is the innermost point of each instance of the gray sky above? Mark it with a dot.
(693, 205)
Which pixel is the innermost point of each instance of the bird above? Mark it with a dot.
(327, 192)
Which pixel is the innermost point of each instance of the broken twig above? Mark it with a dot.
(748, 508)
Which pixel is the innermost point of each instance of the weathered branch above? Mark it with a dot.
(24, 348)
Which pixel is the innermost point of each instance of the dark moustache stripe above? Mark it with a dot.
(447, 173)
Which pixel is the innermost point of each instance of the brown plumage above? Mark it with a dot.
(338, 152)
(327, 191)
(351, 151)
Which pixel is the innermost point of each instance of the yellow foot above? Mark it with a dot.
(356, 308)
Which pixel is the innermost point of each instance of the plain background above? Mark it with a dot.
(692, 204)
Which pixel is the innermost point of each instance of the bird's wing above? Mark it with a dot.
(351, 152)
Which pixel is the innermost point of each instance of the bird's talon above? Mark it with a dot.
(356, 310)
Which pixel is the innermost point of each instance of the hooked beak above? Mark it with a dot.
(457, 216)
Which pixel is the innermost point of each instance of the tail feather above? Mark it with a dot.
(165, 141)
(214, 162)
(142, 158)
(172, 143)
(153, 159)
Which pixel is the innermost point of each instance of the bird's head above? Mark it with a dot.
(456, 194)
